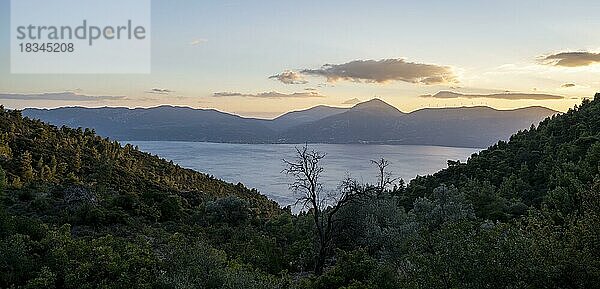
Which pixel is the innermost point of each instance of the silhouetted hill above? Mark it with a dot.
(158, 123)
(372, 121)
(377, 107)
(299, 117)
(377, 122)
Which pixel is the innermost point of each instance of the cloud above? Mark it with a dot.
(310, 89)
(352, 101)
(571, 59)
(64, 96)
(160, 91)
(225, 94)
(321, 85)
(568, 85)
(197, 42)
(271, 94)
(506, 95)
(290, 77)
(385, 70)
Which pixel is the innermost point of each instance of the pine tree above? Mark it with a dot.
(39, 167)
(2, 181)
(53, 166)
(4, 148)
(77, 160)
(26, 168)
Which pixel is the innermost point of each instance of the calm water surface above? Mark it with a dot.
(259, 165)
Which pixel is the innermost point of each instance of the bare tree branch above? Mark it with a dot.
(306, 171)
(384, 177)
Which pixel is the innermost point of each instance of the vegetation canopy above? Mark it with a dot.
(81, 211)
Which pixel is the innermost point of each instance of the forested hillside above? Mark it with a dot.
(547, 166)
(80, 211)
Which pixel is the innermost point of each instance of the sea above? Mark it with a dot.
(260, 166)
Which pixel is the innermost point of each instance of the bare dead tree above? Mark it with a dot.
(384, 177)
(306, 171)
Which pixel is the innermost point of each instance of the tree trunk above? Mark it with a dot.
(320, 262)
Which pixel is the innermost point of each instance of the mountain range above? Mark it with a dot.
(373, 122)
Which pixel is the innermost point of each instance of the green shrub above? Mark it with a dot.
(229, 210)
(2, 181)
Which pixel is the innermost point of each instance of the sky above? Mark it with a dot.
(264, 58)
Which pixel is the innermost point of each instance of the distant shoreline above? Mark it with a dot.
(374, 143)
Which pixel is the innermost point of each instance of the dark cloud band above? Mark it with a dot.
(572, 59)
(385, 70)
(290, 77)
(159, 91)
(271, 94)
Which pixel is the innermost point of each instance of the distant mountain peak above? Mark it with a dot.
(376, 105)
(373, 121)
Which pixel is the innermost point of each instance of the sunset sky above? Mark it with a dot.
(263, 58)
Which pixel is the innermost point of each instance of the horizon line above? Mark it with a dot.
(279, 115)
